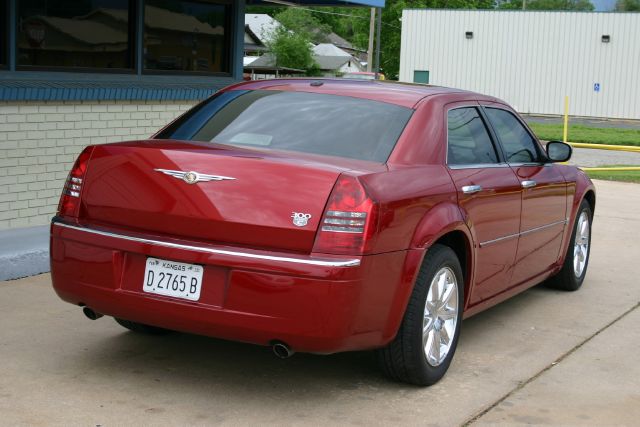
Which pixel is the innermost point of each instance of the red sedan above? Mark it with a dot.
(323, 216)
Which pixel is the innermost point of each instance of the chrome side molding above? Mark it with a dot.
(317, 262)
(499, 239)
(524, 233)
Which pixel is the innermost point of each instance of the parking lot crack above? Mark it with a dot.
(524, 383)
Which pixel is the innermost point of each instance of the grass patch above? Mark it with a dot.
(625, 176)
(579, 133)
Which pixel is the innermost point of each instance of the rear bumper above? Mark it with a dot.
(315, 304)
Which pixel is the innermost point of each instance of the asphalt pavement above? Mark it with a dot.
(543, 357)
(585, 157)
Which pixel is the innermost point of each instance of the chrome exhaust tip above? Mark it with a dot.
(93, 315)
(282, 350)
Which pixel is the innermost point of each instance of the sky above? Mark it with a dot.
(604, 5)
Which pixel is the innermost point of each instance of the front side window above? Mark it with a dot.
(518, 144)
(88, 34)
(295, 121)
(468, 141)
(186, 36)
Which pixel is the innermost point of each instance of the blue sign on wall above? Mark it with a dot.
(596, 87)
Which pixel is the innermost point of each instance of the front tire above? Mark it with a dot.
(574, 269)
(428, 336)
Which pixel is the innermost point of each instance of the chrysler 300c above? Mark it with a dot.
(323, 216)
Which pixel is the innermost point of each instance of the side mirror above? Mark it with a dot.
(558, 151)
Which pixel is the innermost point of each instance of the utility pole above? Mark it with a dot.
(524, 4)
(378, 42)
(372, 26)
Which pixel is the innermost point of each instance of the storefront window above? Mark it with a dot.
(4, 32)
(186, 36)
(86, 34)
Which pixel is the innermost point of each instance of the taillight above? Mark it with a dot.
(70, 199)
(349, 220)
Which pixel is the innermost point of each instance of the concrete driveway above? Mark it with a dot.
(543, 357)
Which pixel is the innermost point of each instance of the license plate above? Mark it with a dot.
(173, 279)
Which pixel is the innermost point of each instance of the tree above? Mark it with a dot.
(292, 50)
(628, 6)
(352, 23)
(291, 43)
(577, 5)
(303, 21)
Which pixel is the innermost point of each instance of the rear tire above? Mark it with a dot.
(141, 328)
(427, 339)
(574, 269)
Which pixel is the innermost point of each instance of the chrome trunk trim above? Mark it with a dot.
(317, 262)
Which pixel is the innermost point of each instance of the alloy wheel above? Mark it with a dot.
(581, 244)
(440, 316)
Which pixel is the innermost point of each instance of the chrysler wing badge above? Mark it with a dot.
(192, 177)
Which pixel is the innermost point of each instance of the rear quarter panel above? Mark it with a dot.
(405, 196)
(418, 205)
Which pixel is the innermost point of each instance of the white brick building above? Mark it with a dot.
(40, 140)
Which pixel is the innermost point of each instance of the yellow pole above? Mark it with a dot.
(566, 119)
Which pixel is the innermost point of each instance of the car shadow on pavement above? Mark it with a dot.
(180, 360)
(200, 364)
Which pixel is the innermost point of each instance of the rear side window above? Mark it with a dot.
(296, 121)
(518, 144)
(468, 140)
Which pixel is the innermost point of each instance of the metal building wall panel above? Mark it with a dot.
(530, 59)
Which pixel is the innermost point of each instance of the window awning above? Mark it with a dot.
(368, 3)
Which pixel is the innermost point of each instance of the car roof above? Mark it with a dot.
(403, 94)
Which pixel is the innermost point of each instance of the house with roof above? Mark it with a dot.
(258, 28)
(261, 25)
(335, 57)
(346, 46)
(258, 63)
(334, 61)
(253, 46)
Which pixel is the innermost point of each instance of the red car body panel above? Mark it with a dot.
(312, 308)
(263, 281)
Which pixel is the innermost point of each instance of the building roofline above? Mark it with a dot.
(522, 11)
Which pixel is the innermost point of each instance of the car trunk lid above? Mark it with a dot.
(241, 197)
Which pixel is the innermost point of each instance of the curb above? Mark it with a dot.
(24, 252)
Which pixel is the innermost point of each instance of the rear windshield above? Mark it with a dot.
(295, 121)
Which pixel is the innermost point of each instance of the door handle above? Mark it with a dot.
(528, 184)
(470, 189)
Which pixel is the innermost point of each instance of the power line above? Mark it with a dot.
(344, 14)
(331, 13)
